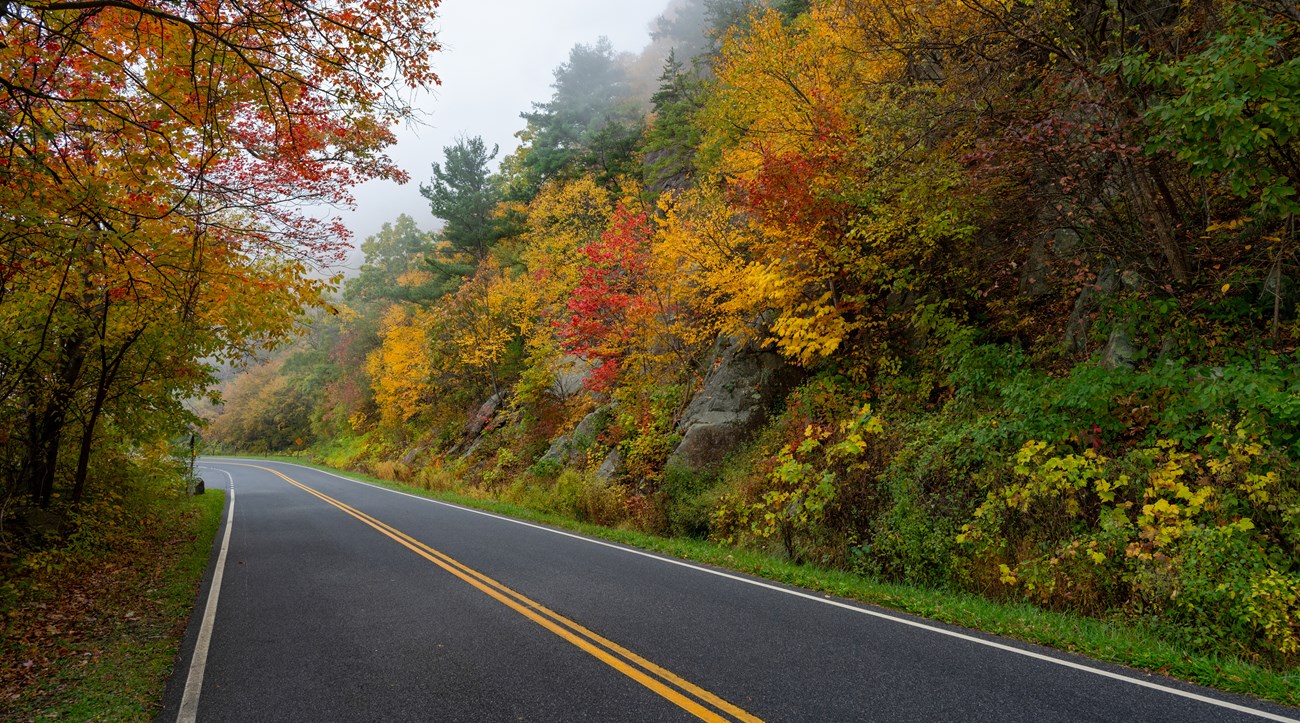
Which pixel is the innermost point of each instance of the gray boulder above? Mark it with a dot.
(733, 402)
(1119, 351)
(1065, 243)
(611, 468)
(571, 448)
(568, 375)
(1110, 280)
(479, 420)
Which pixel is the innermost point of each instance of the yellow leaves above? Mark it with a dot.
(400, 368)
(1257, 486)
(1006, 576)
(1274, 607)
(1027, 453)
(483, 316)
(561, 219)
(812, 330)
(414, 278)
(1161, 509)
(700, 258)
(1235, 224)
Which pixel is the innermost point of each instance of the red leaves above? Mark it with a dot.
(787, 190)
(604, 306)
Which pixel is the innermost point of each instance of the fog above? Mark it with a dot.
(497, 60)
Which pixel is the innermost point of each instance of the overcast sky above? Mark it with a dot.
(497, 59)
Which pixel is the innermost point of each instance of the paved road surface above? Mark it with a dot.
(339, 601)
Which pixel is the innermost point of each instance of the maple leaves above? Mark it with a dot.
(856, 184)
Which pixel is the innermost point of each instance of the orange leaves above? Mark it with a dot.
(823, 130)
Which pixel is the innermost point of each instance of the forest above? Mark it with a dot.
(981, 295)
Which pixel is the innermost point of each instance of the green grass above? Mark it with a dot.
(123, 618)
(1102, 640)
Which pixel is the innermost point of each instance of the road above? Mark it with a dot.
(340, 601)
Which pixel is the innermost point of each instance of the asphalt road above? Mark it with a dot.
(339, 601)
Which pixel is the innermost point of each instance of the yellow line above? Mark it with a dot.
(576, 634)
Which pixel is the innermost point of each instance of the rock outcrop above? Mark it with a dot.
(479, 421)
(1039, 266)
(611, 468)
(569, 376)
(745, 382)
(569, 449)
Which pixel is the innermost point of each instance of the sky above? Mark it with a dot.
(497, 59)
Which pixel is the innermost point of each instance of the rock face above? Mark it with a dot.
(479, 420)
(611, 468)
(1110, 280)
(571, 448)
(744, 383)
(1064, 245)
(1076, 329)
(569, 374)
(1119, 350)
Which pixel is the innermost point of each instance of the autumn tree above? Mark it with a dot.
(604, 308)
(396, 250)
(840, 173)
(154, 160)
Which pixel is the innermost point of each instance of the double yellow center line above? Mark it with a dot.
(690, 697)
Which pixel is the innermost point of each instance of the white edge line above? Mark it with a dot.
(825, 601)
(199, 660)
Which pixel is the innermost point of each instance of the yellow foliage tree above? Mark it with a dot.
(400, 369)
(852, 192)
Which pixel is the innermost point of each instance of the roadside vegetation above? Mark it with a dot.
(1130, 644)
(155, 161)
(92, 610)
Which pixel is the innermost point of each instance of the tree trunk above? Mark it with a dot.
(1160, 224)
(45, 428)
(107, 375)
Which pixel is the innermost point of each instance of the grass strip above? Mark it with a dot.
(98, 638)
(1109, 641)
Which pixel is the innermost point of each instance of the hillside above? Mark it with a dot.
(993, 297)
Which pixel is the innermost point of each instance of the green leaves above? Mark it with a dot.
(1232, 110)
(464, 193)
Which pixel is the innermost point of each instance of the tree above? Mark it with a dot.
(591, 124)
(607, 304)
(697, 27)
(398, 248)
(671, 141)
(153, 159)
(464, 194)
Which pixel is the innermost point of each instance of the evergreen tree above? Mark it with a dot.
(464, 195)
(591, 124)
(669, 151)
